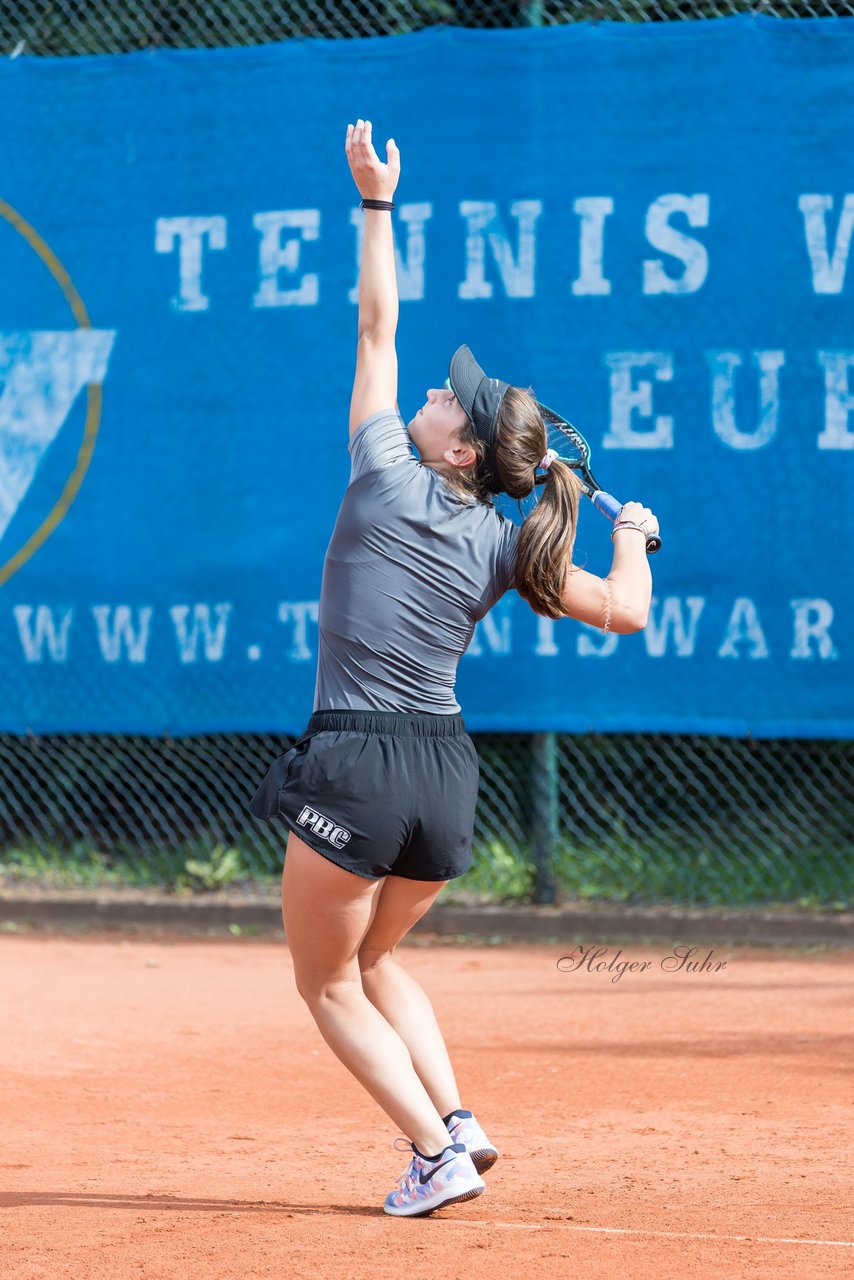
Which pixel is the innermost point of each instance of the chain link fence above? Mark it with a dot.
(628, 818)
(624, 817)
(61, 27)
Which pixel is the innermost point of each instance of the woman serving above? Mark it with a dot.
(379, 793)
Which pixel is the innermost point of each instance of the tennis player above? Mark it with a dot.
(379, 793)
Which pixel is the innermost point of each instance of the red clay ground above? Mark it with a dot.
(171, 1111)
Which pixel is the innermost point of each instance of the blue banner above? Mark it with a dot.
(648, 224)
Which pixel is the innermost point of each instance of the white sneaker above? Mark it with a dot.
(431, 1184)
(463, 1128)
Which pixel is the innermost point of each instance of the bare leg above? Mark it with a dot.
(397, 995)
(326, 912)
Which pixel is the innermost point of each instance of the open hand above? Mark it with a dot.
(375, 180)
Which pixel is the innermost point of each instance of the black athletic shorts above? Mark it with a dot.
(379, 792)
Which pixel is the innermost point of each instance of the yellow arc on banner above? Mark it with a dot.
(93, 398)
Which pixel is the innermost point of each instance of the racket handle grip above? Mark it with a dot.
(606, 503)
(610, 507)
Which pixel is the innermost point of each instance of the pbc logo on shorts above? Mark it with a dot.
(323, 827)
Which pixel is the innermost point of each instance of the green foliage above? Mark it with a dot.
(223, 867)
(498, 872)
(83, 865)
(706, 868)
(655, 869)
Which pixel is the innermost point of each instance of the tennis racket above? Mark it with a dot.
(571, 447)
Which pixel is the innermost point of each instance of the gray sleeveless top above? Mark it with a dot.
(410, 569)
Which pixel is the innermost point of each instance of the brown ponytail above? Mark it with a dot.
(546, 539)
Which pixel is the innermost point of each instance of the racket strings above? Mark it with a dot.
(561, 436)
(565, 446)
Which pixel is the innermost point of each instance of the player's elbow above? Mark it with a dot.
(630, 621)
(376, 331)
(629, 613)
(629, 607)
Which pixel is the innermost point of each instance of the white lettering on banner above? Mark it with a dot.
(546, 646)
(299, 612)
(672, 631)
(661, 235)
(484, 224)
(33, 639)
(723, 365)
(188, 637)
(275, 257)
(190, 234)
(495, 630)
(838, 400)
(409, 269)
(117, 632)
(828, 270)
(591, 642)
(591, 248)
(744, 627)
(626, 398)
(670, 624)
(812, 620)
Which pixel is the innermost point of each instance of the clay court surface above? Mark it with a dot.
(170, 1110)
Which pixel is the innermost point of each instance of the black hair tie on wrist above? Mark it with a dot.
(377, 204)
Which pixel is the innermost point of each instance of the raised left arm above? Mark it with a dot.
(375, 384)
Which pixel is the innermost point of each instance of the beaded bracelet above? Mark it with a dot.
(607, 625)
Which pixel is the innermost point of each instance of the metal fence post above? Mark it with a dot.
(544, 813)
(543, 745)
